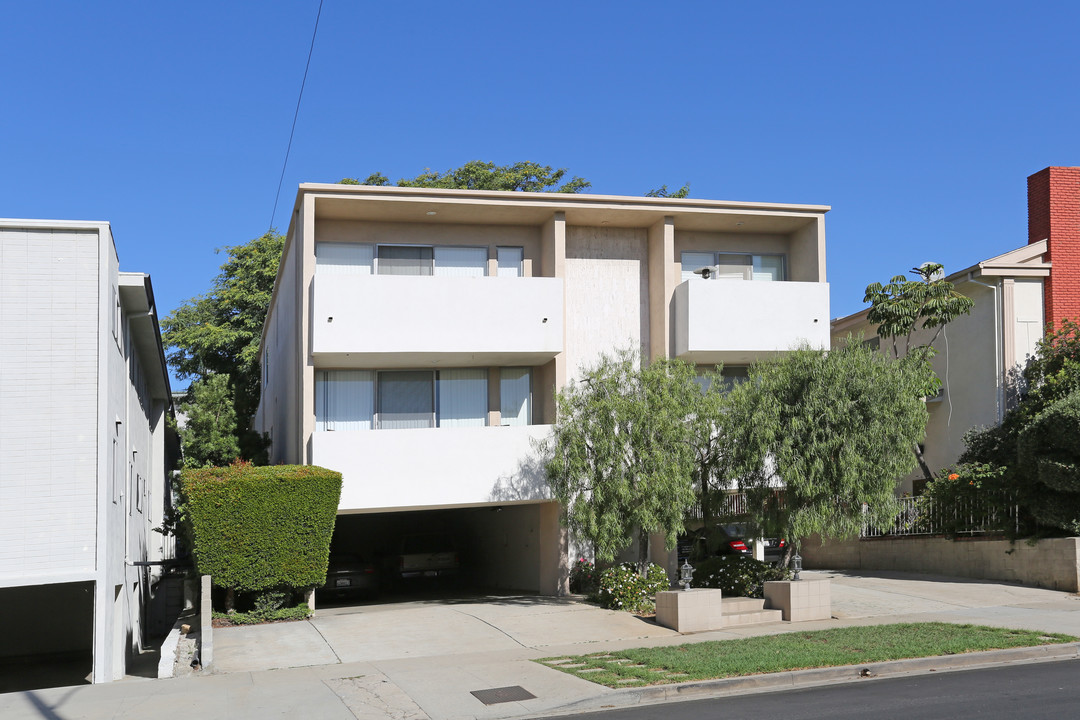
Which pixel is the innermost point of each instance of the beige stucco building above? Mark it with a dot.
(416, 340)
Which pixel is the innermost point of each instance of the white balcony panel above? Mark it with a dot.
(437, 467)
(734, 321)
(384, 321)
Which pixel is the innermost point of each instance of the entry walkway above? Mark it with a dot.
(423, 660)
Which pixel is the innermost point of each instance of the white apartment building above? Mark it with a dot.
(84, 451)
(416, 340)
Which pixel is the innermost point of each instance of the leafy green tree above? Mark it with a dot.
(219, 333)
(479, 175)
(903, 307)
(663, 192)
(620, 457)
(208, 434)
(834, 429)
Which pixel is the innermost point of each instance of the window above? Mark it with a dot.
(400, 399)
(461, 261)
(511, 261)
(732, 266)
(405, 260)
(344, 258)
(515, 396)
(731, 376)
(344, 400)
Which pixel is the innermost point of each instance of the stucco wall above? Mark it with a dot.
(48, 404)
(607, 286)
(1051, 563)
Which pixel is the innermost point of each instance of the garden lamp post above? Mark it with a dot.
(796, 565)
(686, 574)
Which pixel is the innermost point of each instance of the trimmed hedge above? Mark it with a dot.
(257, 528)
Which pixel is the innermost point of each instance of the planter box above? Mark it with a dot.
(694, 610)
(799, 600)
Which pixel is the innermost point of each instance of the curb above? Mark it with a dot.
(795, 679)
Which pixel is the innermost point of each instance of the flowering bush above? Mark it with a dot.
(621, 588)
(737, 575)
(583, 577)
(972, 497)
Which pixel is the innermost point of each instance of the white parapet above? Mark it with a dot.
(434, 467)
(738, 321)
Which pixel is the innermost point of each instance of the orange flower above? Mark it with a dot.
(954, 476)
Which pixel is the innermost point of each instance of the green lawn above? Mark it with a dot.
(792, 651)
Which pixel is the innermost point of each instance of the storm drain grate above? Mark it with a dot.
(504, 694)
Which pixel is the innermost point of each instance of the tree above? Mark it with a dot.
(219, 333)
(620, 458)
(902, 308)
(663, 192)
(834, 429)
(208, 434)
(479, 175)
(1035, 448)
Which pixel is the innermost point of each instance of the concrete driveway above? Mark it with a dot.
(490, 625)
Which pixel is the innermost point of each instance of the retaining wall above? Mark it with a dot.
(1052, 563)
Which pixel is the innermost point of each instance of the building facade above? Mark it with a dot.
(84, 449)
(417, 338)
(1017, 296)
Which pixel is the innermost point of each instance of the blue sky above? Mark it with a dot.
(917, 122)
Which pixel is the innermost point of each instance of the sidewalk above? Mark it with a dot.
(423, 660)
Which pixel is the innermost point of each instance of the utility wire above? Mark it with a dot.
(296, 114)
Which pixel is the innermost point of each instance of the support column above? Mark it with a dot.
(661, 257)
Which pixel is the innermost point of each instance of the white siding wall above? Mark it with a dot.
(48, 404)
(607, 293)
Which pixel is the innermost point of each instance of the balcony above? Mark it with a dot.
(431, 468)
(739, 322)
(389, 321)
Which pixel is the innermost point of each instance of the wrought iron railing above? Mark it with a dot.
(978, 516)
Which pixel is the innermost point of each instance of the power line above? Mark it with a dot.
(296, 114)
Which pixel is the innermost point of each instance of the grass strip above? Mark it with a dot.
(793, 651)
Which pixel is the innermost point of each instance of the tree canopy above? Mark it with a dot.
(479, 175)
(209, 434)
(620, 455)
(834, 430)
(219, 333)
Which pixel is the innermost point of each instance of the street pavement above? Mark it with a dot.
(423, 659)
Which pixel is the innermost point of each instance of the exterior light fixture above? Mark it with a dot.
(796, 565)
(686, 574)
(431, 212)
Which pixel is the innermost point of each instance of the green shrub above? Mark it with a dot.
(972, 497)
(253, 617)
(621, 588)
(737, 575)
(261, 528)
(584, 578)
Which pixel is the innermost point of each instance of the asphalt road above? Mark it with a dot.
(1030, 691)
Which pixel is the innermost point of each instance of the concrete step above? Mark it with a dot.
(752, 618)
(732, 605)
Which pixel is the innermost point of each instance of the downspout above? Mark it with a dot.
(998, 350)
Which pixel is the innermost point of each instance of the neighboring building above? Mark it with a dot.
(416, 339)
(84, 451)
(1017, 294)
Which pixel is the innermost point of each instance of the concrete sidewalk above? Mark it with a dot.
(424, 659)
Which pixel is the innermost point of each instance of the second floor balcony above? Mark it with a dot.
(395, 321)
(740, 321)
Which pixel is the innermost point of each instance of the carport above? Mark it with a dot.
(48, 635)
(505, 547)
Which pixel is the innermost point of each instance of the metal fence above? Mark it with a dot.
(922, 516)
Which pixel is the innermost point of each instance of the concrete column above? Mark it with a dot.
(661, 258)
(553, 547)
(304, 250)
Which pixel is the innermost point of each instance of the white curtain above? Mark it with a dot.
(463, 398)
(343, 258)
(406, 400)
(343, 400)
(461, 261)
(769, 267)
(510, 261)
(514, 396)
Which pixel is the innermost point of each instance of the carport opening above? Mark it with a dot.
(495, 548)
(48, 636)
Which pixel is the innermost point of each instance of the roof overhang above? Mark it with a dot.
(137, 298)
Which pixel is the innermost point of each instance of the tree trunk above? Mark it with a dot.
(927, 475)
(230, 600)
(706, 507)
(643, 553)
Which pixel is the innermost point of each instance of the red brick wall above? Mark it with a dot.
(1054, 214)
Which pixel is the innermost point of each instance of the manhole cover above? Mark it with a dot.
(504, 694)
